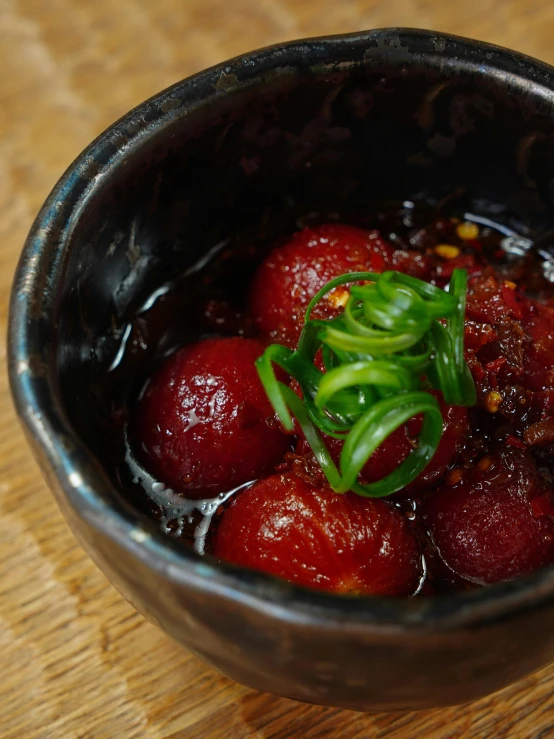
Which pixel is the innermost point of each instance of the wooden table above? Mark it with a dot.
(75, 659)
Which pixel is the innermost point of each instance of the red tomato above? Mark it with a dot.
(488, 527)
(292, 274)
(205, 423)
(314, 537)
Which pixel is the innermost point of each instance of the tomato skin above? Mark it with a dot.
(396, 447)
(292, 274)
(311, 536)
(204, 424)
(488, 527)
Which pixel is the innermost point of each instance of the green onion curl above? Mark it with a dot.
(367, 372)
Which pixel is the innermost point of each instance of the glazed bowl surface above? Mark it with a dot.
(300, 127)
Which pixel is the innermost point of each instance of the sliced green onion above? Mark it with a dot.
(380, 372)
(455, 324)
(312, 436)
(438, 300)
(376, 345)
(379, 423)
(274, 388)
(396, 337)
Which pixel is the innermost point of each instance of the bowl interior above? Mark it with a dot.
(252, 157)
(328, 126)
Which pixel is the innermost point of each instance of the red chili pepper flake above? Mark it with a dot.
(493, 368)
(496, 364)
(514, 441)
(509, 297)
(476, 335)
(542, 506)
(463, 261)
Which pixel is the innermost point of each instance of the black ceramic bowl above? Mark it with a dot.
(302, 126)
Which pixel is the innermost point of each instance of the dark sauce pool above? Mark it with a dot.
(209, 300)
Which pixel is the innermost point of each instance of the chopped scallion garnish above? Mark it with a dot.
(397, 338)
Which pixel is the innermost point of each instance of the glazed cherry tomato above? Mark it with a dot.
(285, 526)
(204, 424)
(292, 274)
(494, 524)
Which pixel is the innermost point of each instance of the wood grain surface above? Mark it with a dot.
(75, 659)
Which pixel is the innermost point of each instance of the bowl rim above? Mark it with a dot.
(80, 476)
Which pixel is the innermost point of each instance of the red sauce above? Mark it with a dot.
(482, 510)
